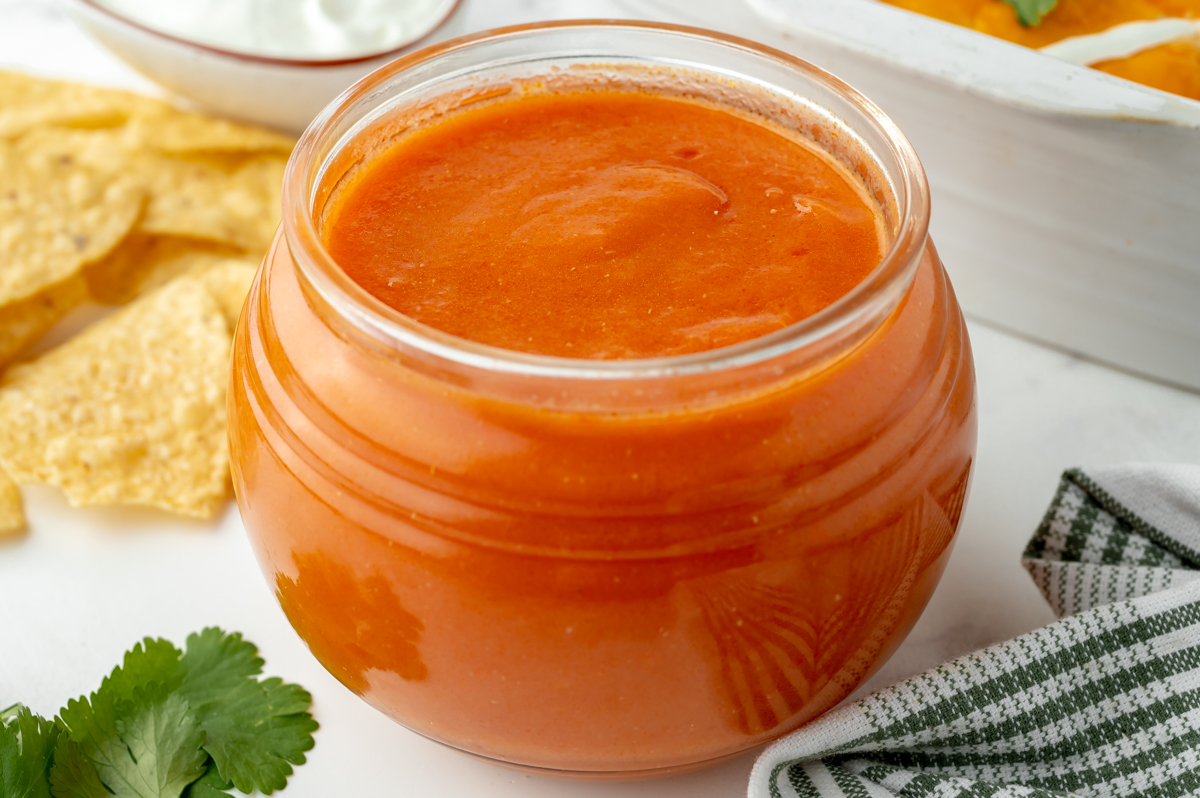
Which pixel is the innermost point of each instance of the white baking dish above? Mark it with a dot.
(1066, 202)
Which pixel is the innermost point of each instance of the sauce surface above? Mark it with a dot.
(604, 225)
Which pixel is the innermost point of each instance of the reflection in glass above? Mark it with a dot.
(351, 625)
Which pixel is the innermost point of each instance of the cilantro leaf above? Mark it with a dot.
(1030, 12)
(257, 732)
(73, 776)
(164, 742)
(215, 659)
(146, 747)
(150, 661)
(87, 720)
(254, 731)
(164, 724)
(26, 750)
(210, 785)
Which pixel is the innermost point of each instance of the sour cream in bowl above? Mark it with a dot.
(274, 62)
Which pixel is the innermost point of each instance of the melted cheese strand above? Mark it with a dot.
(1121, 41)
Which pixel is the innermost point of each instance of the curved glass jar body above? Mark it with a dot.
(602, 567)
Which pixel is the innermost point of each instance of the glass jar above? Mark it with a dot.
(615, 567)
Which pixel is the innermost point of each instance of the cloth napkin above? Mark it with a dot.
(1103, 703)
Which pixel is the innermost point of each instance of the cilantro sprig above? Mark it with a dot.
(1030, 12)
(164, 724)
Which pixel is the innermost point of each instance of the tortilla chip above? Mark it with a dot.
(12, 512)
(131, 411)
(182, 133)
(144, 262)
(198, 200)
(231, 201)
(229, 281)
(24, 322)
(27, 103)
(56, 216)
(106, 151)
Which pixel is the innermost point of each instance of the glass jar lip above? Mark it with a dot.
(877, 295)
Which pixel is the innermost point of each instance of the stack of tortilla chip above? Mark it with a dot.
(118, 199)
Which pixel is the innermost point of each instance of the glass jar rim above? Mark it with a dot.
(874, 298)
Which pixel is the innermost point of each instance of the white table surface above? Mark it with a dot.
(84, 585)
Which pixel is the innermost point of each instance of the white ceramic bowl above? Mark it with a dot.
(278, 92)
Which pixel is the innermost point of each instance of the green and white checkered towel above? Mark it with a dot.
(1104, 703)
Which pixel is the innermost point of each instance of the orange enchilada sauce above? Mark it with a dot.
(666, 227)
(558, 586)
